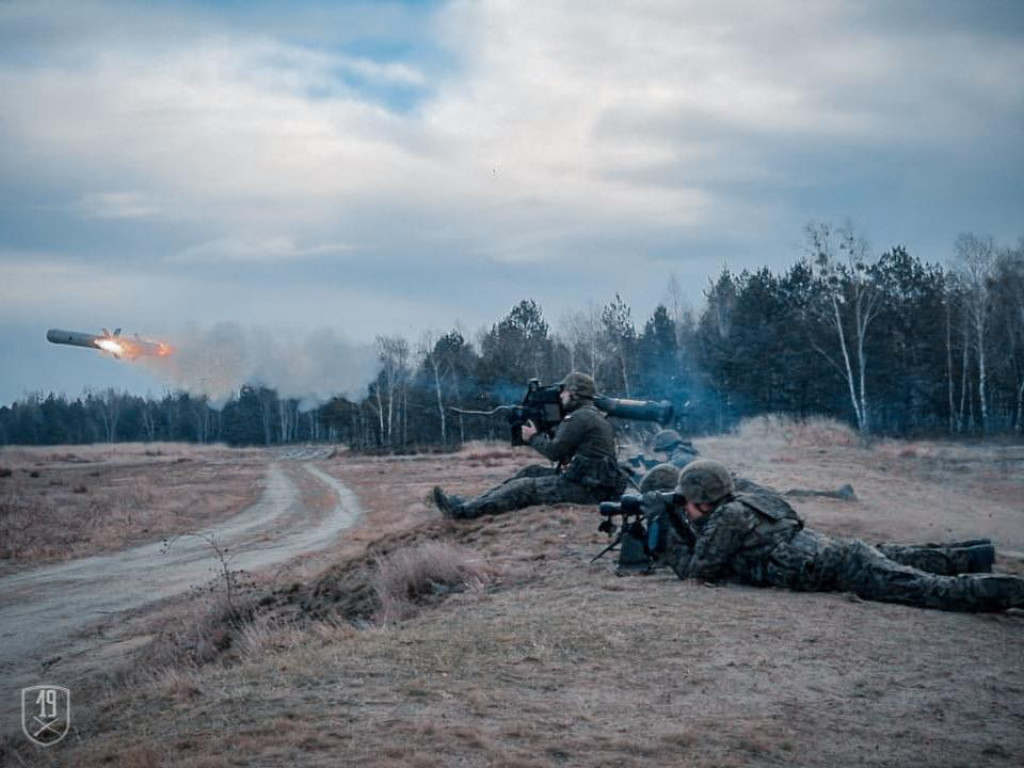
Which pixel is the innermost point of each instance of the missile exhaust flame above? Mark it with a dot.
(112, 343)
(308, 366)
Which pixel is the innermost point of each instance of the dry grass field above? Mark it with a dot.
(416, 641)
(74, 501)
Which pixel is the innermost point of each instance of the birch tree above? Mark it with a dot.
(1009, 311)
(393, 352)
(846, 278)
(581, 331)
(434, 366)
(976, 258)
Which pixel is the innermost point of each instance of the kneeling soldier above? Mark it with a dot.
(583, 448)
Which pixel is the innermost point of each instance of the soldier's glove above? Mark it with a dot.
(654, 508)
(653, 505)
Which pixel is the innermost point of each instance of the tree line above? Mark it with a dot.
(888, 342)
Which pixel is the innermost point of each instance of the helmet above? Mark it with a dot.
(580, 385)
(666, 440)
(660, 478)
(705, 482)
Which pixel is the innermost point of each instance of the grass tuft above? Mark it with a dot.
(411, 576)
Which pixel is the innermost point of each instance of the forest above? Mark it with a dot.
(887, 342)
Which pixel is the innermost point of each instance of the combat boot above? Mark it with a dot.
(996, 592)
(451, 506)
(976, 557)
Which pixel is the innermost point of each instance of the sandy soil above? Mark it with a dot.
(556, 661)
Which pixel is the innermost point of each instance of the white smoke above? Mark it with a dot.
(311, 366)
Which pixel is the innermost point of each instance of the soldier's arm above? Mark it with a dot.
(678, 553)
(567, 439)
(720, 541)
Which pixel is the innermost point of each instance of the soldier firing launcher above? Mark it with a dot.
(543, 407)
(641, 536)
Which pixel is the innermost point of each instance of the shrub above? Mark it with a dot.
(410, 576)
(810, 431)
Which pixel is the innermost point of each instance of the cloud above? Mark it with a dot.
(46, 285)
(576, 132)
(118, 205)
(397, 73)
(252, 250)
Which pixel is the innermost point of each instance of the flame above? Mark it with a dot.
(131, 349)
(109, 345)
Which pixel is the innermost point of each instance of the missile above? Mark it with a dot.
(112, 343)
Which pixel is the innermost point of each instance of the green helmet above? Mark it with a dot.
(580, 385)
(705, 482)
(667, 439)
(660, 478)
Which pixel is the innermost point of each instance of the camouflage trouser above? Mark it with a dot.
(955, 557)
(533, 470)
(813, 561)
(534, 485)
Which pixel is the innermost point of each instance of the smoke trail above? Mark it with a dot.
(309, 366)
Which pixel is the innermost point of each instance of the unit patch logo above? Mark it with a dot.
(45, 713)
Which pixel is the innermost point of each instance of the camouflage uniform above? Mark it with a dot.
(759, 539)
(583, 447)
(678, 452)
(682, 454)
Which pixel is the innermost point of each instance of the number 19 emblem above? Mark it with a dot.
(45, 713)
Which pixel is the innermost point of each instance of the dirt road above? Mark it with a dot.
(51, 612)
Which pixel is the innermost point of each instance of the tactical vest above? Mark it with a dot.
(598, 473)
(775, 522)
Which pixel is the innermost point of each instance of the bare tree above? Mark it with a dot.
(393, 352)
(107, 406)
(432, 362)
(149, 413)
(948, 300)
(201, 415)
(976, 258)
(581, 331)
(620, 338)
(1009, 289)
(679, 308)
(288, 418)
(846, 275)
(267, 400)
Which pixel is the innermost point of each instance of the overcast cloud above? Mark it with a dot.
(391, 168)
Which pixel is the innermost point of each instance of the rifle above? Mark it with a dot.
(543, 406)
(641, 538)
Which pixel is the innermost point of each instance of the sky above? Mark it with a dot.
(299, 177)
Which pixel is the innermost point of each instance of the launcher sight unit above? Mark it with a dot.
(543, 406)
(641, 536)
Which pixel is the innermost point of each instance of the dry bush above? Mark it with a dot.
(409, 576)
(331, 632)
(180, 684)
(265, 634)
(811, 431)
(209, 630)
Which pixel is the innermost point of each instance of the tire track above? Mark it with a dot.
(45, 612)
